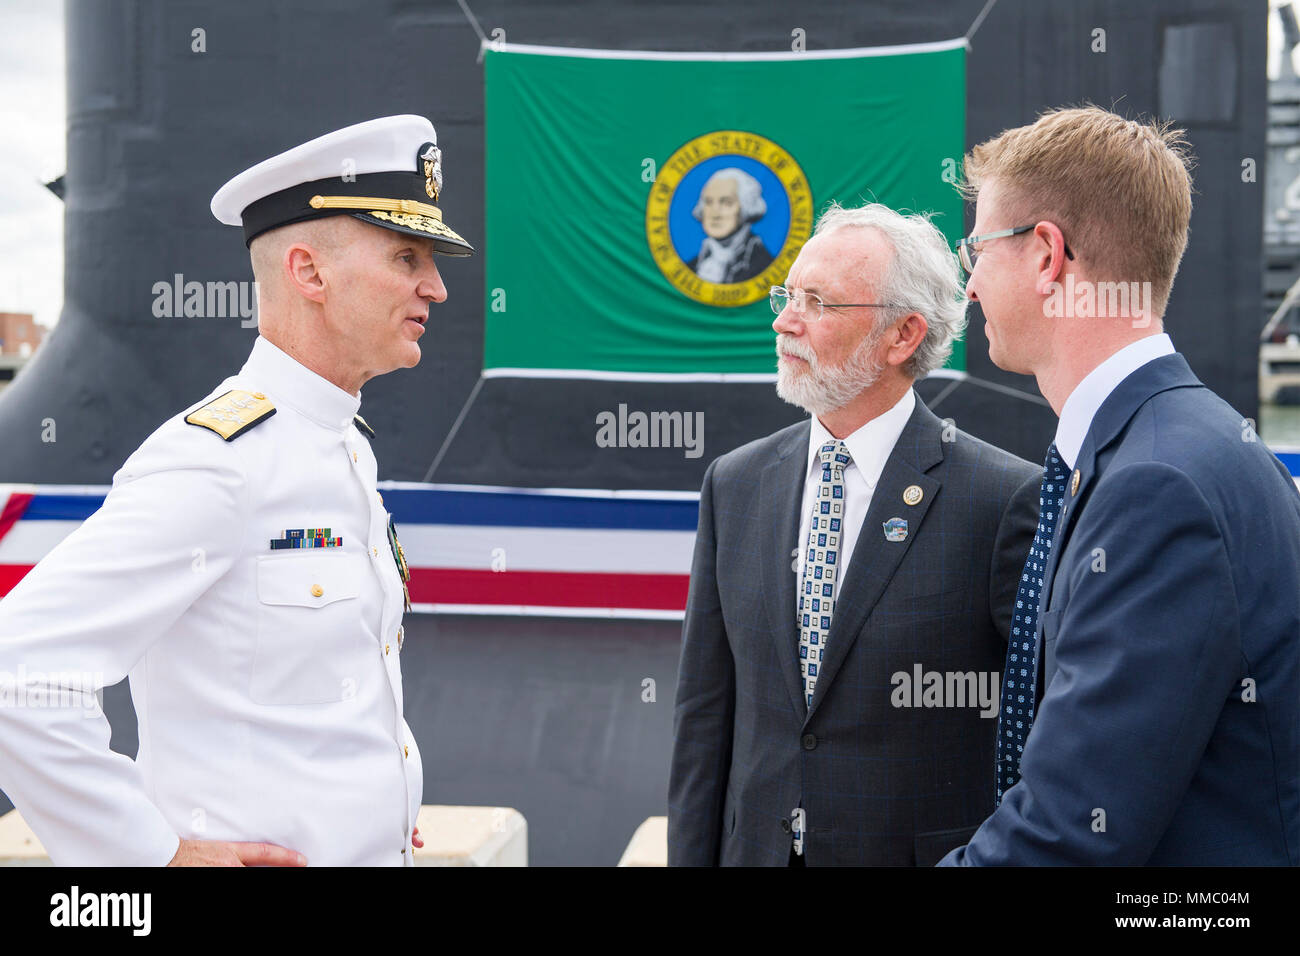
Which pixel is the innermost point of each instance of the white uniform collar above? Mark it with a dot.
(870, 446)
(1081, 407)
(286, 381)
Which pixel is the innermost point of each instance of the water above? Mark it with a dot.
(1279, 425)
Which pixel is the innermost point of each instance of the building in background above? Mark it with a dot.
(20, 336)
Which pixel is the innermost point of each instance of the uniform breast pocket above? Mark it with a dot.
(310, 645)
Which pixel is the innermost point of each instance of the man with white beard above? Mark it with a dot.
(840, 564)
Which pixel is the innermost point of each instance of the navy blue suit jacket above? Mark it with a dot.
(1168, 725)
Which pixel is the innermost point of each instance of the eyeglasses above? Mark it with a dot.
(969, 255)
(809, 305)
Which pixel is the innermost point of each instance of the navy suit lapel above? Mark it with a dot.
(1158, 375)
(875, 559)
(781, 491)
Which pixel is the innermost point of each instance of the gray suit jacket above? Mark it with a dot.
(881, 780)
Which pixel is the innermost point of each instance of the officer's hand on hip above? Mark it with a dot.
(415, 838)
(216, 853)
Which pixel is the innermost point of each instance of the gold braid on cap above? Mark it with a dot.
(409, 206)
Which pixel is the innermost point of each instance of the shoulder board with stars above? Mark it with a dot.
(233, 413)
(362, 426)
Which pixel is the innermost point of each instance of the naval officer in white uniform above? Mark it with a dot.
(243, 571)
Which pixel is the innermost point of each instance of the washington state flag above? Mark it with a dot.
(640, 206)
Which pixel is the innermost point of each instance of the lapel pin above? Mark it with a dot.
(913, 495)
(896, 529)
(1074, 483)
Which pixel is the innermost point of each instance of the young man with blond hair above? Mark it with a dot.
(1151, 698)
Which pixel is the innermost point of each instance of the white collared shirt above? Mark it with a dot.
(1088, 396)
(869, 447)
(266, 681)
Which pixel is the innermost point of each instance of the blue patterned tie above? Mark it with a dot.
(821, 564)
(820, 572)
(1016, 716)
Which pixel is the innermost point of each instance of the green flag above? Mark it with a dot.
(641, 205)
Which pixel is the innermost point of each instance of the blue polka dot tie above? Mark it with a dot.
(820, 572)
(1016, 715)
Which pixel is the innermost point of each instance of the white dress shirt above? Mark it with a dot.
(869, 447)
(266, 681)
(1081, 407)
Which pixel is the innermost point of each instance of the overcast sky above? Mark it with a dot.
(32, 151)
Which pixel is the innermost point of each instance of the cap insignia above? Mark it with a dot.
(431, 158)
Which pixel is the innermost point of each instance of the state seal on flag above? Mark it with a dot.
(726, 217)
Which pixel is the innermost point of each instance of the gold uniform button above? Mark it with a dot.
(259, 396)
(317, 590)
(406, 751)
(386, 646)
(354, 456)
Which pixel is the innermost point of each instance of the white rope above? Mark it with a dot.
(473, 21)
(980, 19)
(446, 442)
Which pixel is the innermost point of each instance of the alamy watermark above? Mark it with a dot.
(128, 910)
(1083, 299)
(922, 688)
(179, 299)
(67, 690)
(636, 429)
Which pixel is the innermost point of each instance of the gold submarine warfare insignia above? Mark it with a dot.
(399, 557)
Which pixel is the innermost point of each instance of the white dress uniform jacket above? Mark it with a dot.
(266, 683)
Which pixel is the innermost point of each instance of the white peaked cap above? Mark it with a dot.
(387, 172)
